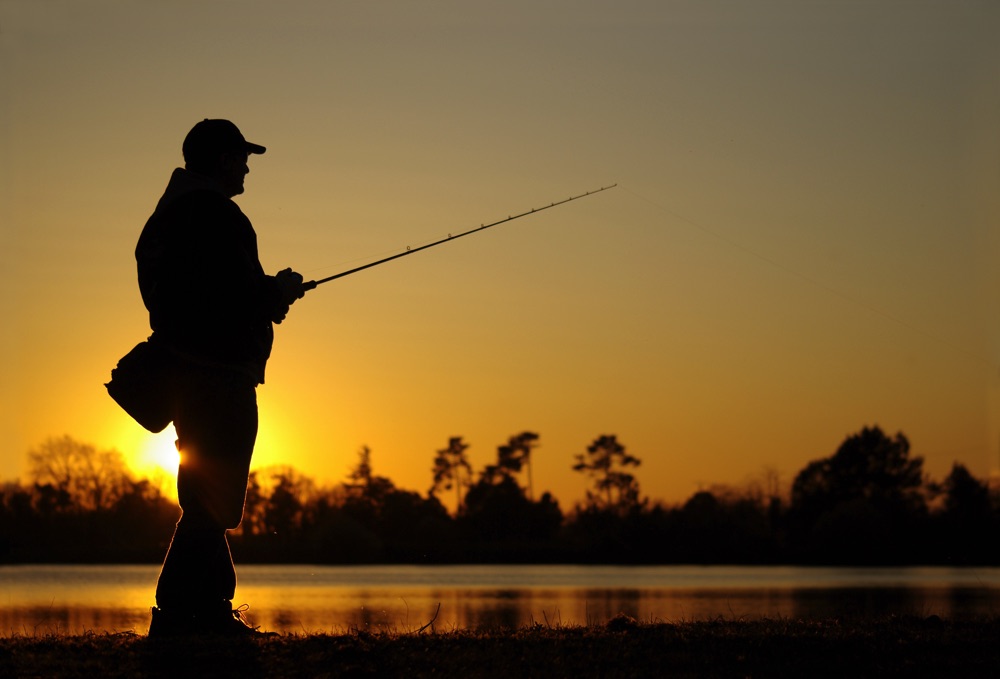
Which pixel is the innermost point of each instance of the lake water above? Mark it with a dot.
(41, 599)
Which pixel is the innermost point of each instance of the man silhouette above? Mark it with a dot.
(211, 308)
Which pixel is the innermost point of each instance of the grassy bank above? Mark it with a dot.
(910, 647)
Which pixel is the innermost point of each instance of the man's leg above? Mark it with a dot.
(216, 425)
(198, 571)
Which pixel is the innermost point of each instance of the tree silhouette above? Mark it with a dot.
(518, 452)
(966, 497)
(499, 513)
(864, 503)
(869, 466)
(511, 459)
(968, 523)
(396, 524)
(81, 475)
(286, 503)
(615, 489)
(497, 510)
(452, 470)
(364, 485)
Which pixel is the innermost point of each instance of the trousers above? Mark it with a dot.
(215, 419)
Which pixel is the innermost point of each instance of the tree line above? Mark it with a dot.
(870, 502)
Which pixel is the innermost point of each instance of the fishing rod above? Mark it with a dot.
(309, 285)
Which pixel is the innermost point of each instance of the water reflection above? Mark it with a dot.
(308, 599)
(63, 619)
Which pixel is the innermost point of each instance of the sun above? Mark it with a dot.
(159, 452)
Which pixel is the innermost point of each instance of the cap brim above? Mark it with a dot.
(255, 148)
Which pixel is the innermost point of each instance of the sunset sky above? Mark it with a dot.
(804, 239)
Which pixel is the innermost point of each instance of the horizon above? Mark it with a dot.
(157, 465)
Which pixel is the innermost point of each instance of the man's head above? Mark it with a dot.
(217, 148)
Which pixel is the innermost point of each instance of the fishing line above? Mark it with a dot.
(824, 286)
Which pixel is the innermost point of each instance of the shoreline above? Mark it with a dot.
(836, 647)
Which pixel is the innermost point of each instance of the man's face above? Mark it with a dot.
(232, 170)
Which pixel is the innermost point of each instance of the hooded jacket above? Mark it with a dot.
(201, 280)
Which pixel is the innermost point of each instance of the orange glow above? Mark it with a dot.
(159, 453)
(803, 241)
(156, 458)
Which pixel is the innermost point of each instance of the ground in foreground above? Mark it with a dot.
(908, 646)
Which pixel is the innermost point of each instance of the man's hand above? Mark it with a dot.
(290, 288)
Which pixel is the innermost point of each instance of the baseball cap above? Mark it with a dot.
(211, 137)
